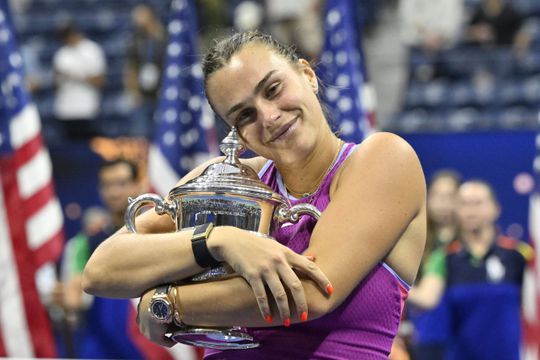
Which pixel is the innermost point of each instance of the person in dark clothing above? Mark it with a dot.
(495, 23)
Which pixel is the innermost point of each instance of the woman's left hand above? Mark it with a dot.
(151, 328)
(265, 263)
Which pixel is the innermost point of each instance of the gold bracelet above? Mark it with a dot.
(176, 314)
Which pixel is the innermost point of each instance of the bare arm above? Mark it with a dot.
(127, 264)
(428, 293)
(378, 196)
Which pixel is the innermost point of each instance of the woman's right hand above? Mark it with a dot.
(262, 261)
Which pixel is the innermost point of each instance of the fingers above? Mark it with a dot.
(262, 300)
(293, 283)
(277, 289)
(150, 327)
(311, 270)
(156, 332)
(282, 280)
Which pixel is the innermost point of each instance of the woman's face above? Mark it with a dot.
(476, 209)
(441, 201)
(271, 102)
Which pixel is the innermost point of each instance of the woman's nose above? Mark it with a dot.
(269, 113)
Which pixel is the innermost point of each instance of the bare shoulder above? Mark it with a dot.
(387, 160)
(384, 148)
(386, 144)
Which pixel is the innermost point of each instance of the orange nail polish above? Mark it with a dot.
(268, 319)
(329, 289)
(303, 316)
(287, 322)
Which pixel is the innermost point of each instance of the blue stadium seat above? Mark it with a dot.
(461, 94)
(509, 92)
(431, 94)
(463, 119)
(518, 118)
(531, 90)
(529, 63)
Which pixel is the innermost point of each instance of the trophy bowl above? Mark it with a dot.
(227, 193)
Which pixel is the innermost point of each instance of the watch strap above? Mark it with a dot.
(200, 250)
(162, 290)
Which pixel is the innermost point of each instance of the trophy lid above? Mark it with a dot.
(229, 177)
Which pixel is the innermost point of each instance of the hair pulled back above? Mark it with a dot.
(222, 51)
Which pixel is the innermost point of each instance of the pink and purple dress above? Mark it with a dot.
(362, 327)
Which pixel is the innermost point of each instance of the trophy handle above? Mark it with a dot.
(161, 207)
(293, 214)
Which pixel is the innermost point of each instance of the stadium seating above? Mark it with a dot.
(471, 88)
(106, 22)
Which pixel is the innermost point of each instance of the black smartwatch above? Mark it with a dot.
(198, 244)
(161, 306)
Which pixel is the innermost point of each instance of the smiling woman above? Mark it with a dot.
(337, 284)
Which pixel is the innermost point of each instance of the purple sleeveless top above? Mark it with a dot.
(362, 327)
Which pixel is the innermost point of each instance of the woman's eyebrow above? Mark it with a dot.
(257, 89)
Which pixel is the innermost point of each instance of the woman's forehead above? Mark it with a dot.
(245, 69)
(254, 59)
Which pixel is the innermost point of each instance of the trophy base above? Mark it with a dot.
(217, 339)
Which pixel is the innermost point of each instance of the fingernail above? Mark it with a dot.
(311, 257)
(287, 322)
(268, 319)
(303, 316)
(329, 289)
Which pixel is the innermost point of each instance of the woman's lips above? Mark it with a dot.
(284, 131)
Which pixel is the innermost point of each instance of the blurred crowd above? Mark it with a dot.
(94, 69)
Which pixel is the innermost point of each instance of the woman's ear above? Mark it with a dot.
(310, 75)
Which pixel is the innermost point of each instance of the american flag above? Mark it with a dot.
(185, 123)
(31, 221)
(341, 70)
(531, 294)
(184, 118)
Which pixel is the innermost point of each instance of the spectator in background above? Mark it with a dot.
(296, 22)
(144, 68)
(428, 28)
(95, 220)
(430, 327)
(96, 334)
(441, 204)
(480, 275)
(79, 66)
(495, 23)
(248, 15)
(70, 300)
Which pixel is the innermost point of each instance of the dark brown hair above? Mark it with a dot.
(222, 51)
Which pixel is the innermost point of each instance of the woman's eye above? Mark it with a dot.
(243, 117)
(273, 89)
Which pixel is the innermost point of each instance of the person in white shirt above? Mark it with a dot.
(428, 29)
(79, 67)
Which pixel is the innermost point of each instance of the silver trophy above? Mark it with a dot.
(226, 193)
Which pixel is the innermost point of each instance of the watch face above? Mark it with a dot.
(160, 309)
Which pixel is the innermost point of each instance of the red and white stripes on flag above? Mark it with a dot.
(31, 234)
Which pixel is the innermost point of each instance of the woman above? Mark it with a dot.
(368, 241)
(431, 327)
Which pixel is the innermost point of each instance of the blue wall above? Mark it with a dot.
(493, 156)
